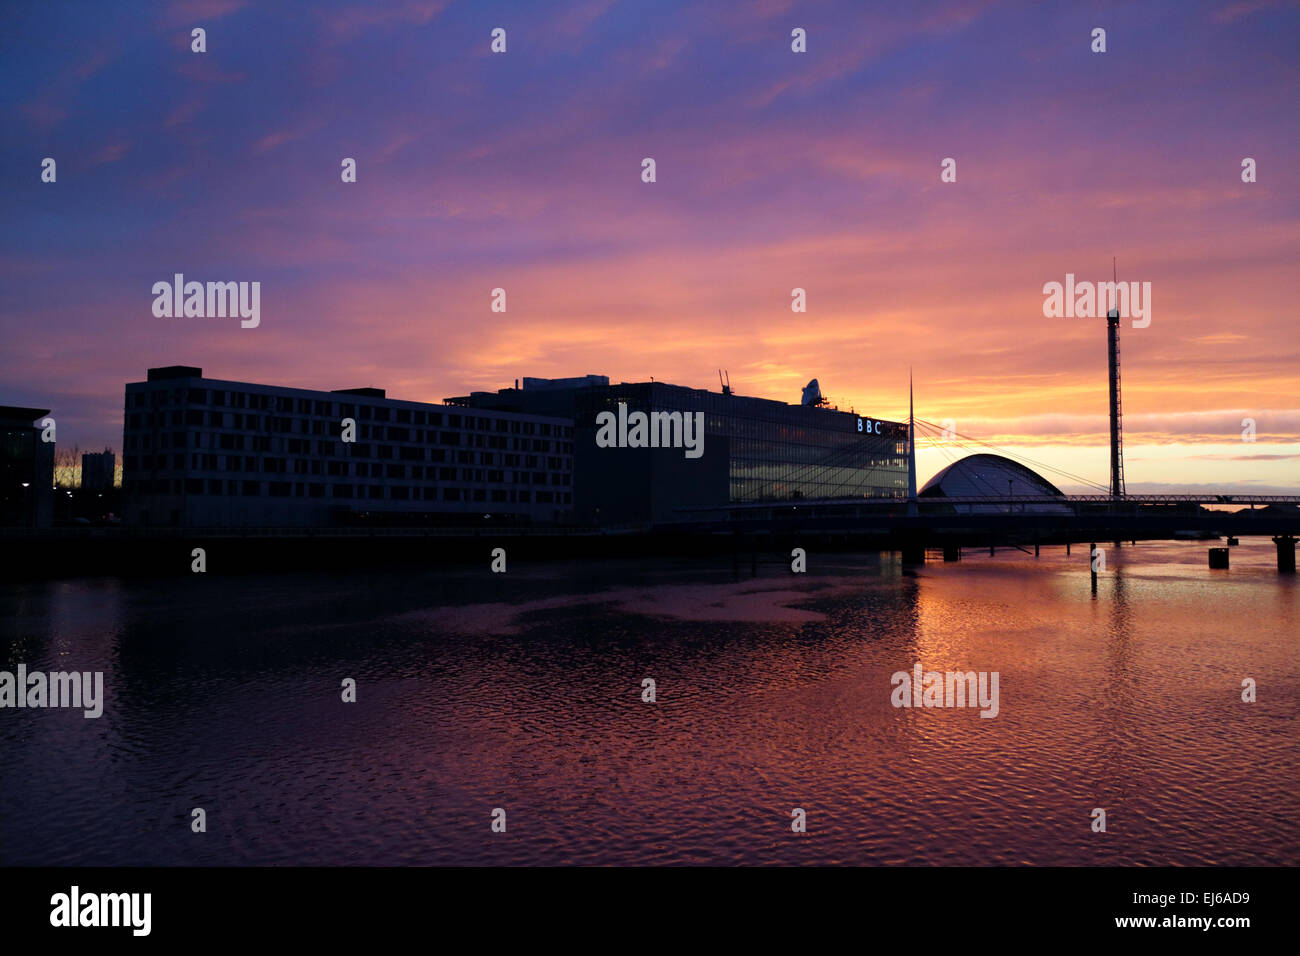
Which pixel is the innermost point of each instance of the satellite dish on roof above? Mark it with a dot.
(812, 394)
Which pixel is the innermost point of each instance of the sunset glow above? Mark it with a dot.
(773, 172)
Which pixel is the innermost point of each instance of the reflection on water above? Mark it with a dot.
(523, 691)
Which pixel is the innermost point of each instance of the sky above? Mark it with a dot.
(774, 170)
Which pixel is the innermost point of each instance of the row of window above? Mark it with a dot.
(278, 424)
(333, 410)
(290, 489)
(833, 474)
(177, 461)
(344, 469)
(136, 441)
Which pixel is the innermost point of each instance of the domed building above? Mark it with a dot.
(988, 475)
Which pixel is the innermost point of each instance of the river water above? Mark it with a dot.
(523, 691)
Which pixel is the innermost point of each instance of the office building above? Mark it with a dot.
(754, 449)
(201, 452)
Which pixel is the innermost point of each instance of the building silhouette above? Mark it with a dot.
(97, 470)
(755, 449)
(26, 469)
(201, 452)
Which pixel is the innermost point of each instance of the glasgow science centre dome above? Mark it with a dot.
(978, 475)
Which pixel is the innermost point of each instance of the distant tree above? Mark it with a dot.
(67, 466)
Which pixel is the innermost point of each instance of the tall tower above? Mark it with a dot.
(1116, 412)
(911, 448)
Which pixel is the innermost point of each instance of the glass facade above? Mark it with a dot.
(777, 452)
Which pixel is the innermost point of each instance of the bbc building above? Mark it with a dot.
(201, 452)
(754, 450)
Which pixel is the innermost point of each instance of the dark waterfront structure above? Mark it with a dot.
(201, 452)
(26, 469)
(755, 449)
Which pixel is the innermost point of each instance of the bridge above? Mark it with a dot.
(912, 526)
